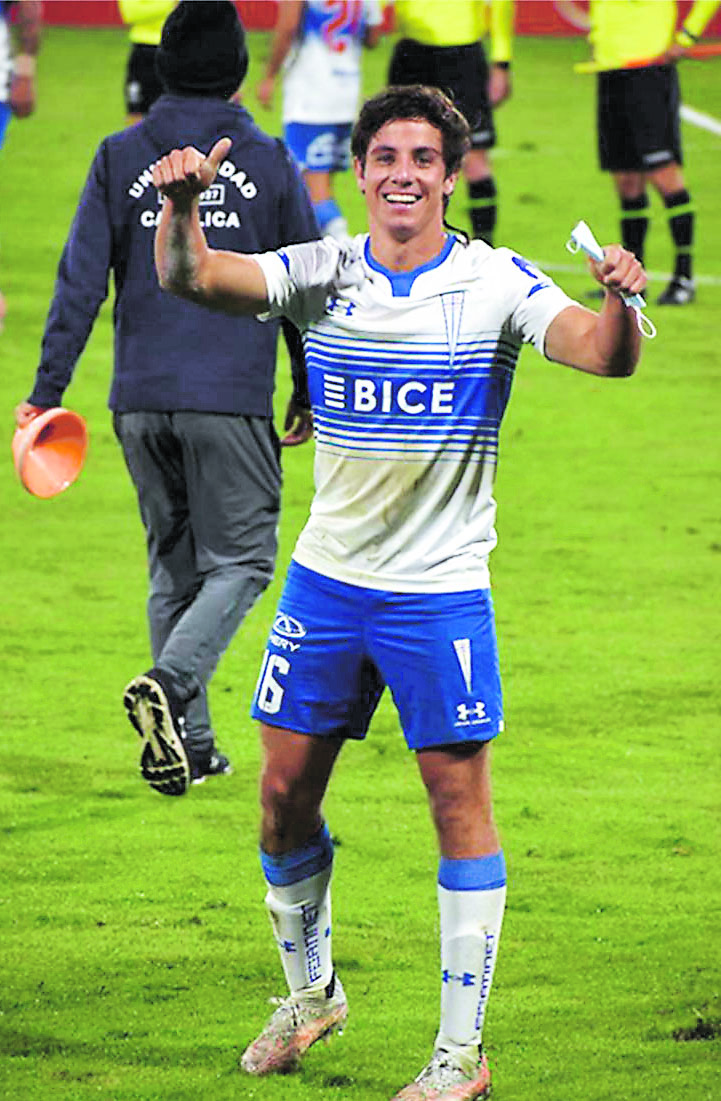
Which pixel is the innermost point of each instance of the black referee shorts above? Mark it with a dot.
(638, 116)
(459, 71)
(142, 83)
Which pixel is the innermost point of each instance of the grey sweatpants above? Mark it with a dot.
(208, 488)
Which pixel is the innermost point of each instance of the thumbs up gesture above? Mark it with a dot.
(183, 174)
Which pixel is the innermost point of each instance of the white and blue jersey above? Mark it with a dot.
(322, 75)
(409, 378)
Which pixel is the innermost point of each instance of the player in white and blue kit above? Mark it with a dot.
(318, 45)
(411, 340)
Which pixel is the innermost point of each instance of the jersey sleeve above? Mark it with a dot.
(300, 278)
(534, 299)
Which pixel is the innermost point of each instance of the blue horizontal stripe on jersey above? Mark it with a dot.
(400, 454)
(332, 363)
(345, 356)
(462, 426)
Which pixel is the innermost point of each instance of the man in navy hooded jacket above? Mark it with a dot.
(192, 391)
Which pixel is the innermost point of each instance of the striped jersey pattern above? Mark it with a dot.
(409, 377)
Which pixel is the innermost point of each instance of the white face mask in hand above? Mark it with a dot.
(583, 240)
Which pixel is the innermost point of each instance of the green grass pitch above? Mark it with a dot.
(136, 958)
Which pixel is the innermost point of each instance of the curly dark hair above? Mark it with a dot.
(413, 101)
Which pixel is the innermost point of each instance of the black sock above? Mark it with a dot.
(634, 224)
(681, 223)
(482, 208)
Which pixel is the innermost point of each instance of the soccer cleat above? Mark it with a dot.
(296, 1024)
(156, 714)
(679, 292)
(449, 1077)
(213, 763)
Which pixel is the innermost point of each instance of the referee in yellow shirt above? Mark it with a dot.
(441, 46)
(635, 46)
(142, 84)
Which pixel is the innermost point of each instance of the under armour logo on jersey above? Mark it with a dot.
(340, 306)
(466, 979)
(462, 646)
(452, 304)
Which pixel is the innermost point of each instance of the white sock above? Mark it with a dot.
(298, 902)
(471, 899)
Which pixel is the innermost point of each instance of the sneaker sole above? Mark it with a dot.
(464, 1091)
(287, 1059)
(163, 761)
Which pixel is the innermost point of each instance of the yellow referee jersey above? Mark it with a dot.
(146, 18)
(458, 23)
(627, 31)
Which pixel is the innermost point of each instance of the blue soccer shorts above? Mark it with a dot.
(333, 648)
(319, 147)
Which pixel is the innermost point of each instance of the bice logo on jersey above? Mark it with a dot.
(369, 395)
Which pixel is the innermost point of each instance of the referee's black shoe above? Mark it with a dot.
(680, 292)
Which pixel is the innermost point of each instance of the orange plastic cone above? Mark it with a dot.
(49, 452)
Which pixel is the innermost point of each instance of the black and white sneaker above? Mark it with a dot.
(213, 763)
(155, 712)
(679, 292)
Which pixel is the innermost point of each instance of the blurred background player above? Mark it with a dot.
(318, 44)
(191, 393)
(441, 46)
(635, 49)
(142, 83)
(17, 67)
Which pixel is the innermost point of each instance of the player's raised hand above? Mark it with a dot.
(184, 173)
(619, 271)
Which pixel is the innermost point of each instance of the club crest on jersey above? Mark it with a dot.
(452, 303)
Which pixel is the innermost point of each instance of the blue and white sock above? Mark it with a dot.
(298, 902)
(471, 899)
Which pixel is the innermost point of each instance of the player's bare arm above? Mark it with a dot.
(609, 342)
(186, 266)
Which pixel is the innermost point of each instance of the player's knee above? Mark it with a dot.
(289, 809)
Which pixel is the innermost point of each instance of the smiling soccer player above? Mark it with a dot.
(411, 338)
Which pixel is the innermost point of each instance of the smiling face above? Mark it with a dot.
(404, 181)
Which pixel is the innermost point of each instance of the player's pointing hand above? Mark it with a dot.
(183, 174)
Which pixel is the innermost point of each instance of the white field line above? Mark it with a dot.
(654, 276)
(698, 118)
